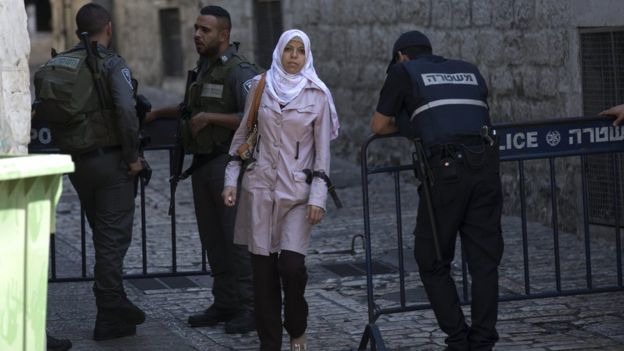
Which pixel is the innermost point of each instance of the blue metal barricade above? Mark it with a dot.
(545, 140)
(161, 133)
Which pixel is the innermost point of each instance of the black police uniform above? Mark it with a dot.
(230, 263)
(445, 102)
(106, 193)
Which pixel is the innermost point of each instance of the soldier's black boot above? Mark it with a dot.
(242, 323)
(210, 317)
(120, 306)
(54, 344)
(110, 326)
(130, 312)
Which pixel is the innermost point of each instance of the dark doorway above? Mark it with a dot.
(170, 39)
(268, 15)
(43, 14)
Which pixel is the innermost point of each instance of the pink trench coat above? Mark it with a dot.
(274, 195)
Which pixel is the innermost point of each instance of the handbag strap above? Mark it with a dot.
(255, 103)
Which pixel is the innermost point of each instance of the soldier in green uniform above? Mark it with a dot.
(99, 128)
(217, 101)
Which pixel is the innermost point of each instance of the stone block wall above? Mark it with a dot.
(14, 78)
(527, 50)
(522, 47)
(138, 34)
(64, 23)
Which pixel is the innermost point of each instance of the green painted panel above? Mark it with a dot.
(30, 187)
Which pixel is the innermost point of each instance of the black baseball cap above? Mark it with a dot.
(406, 40)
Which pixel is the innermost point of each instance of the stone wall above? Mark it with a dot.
(522, 47)
(14, 78)
(138, 38)
(64, 23)
(137, 35)
(527, 50)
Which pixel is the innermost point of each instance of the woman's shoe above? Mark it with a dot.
(298, 344)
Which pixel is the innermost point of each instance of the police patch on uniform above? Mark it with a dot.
(247, 85)
(449, 78)
(127, 76)
(212, 90)
(69, 62)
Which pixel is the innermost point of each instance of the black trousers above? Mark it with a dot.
(466, 199)
(106, 193)
(271, 274)
(229, 263)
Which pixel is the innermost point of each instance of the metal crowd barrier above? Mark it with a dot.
(548, 140)
(162, 136)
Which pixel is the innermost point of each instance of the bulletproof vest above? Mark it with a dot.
(451, 100)
(211, 92)
(69, 102)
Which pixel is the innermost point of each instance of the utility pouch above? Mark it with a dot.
(475, 156)
(194, 94)
(447, 169)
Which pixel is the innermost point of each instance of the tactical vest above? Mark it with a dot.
(70, 104)
(211, 92)
(451, 97)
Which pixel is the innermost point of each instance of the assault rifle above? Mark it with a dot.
(94, 67)
(177, 160)
(142, 104)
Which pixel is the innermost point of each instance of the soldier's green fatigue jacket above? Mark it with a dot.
(216, 90)
(68, 101)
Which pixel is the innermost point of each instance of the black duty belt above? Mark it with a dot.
(472, 141)
(96, 152)
(330, 187)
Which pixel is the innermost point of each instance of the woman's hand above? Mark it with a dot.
(315, 214)
(229, 196)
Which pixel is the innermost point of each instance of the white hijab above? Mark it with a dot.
(284, 87)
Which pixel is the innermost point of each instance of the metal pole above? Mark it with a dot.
(397, 199)
(83, 245)
(588, 268)
(174, 266)
(523, 218)
(555, 223)
(143, 227)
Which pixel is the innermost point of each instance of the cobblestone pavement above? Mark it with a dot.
(337, 289)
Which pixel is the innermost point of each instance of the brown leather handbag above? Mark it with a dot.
(246, 150)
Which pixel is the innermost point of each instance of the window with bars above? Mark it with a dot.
(602, 64)
(268, 15)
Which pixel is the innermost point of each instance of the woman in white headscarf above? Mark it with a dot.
(279, 203)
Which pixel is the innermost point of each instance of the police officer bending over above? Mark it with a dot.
(216, 104)
(99, 128)
(443, 103)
